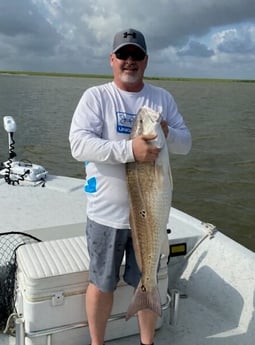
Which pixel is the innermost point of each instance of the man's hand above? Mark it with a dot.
(142, 150)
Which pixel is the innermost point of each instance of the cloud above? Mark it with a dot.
(240, 41)
(165, 23)
(22, 27)
(76, 36)
(196, 49)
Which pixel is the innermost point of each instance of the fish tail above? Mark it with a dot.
(143, 299)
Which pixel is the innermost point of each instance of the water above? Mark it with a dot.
(215, 182)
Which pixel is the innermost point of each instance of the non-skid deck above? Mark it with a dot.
(197, 325)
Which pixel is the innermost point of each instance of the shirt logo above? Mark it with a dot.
(124, 122)
(91, 185)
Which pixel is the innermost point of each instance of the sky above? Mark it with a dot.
(185, 38)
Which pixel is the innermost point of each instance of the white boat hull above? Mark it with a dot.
(215, 279)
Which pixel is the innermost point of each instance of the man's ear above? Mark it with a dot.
(111, 59)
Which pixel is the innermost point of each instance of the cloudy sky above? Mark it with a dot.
(185, 38)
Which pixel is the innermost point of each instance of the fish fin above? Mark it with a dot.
(165, 247)
(159, 175)
(135, 240)
(143, 299)
(170, 177)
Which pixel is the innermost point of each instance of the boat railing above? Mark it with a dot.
(20, 323)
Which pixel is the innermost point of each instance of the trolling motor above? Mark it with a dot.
(15, 171)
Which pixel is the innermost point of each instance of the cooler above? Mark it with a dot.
(52, 278)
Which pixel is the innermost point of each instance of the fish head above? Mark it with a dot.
(147, 122)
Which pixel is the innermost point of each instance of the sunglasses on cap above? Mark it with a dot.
(124, 54)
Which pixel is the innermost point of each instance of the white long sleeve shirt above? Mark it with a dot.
(99, 136)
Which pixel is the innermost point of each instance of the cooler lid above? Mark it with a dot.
(53, 264)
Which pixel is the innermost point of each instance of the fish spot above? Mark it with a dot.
(142, 213)
(143, 288)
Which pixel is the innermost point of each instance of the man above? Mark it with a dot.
(99, 135)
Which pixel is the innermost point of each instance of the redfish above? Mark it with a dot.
(150, 193)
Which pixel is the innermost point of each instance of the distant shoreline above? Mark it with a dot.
(74, 75)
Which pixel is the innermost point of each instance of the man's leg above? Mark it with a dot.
(98, 308)
(106, 249)
(147, 323)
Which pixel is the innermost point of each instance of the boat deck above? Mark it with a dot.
(217, 281)
(44, 212)
(197, 325)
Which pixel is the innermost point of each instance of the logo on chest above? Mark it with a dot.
(124, 122)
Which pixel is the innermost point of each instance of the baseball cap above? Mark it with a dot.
(129, 36)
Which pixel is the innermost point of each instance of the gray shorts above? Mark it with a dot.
(106, 247)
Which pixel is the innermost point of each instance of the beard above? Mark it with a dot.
(131, 76)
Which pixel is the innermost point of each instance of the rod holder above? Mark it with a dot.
(174, 306)
(20, 331)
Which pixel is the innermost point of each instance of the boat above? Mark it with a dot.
(206, 285)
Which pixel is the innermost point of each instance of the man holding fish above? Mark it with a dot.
(124, 130)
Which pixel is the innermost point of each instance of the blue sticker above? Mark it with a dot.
(124, 122)
(91, 185)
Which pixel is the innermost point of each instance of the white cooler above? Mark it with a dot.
(52, 278)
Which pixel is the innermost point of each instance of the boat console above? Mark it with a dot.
(16, 171)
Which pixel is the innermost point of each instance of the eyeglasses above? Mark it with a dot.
(124, 54)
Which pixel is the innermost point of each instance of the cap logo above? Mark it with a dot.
(126, 34)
